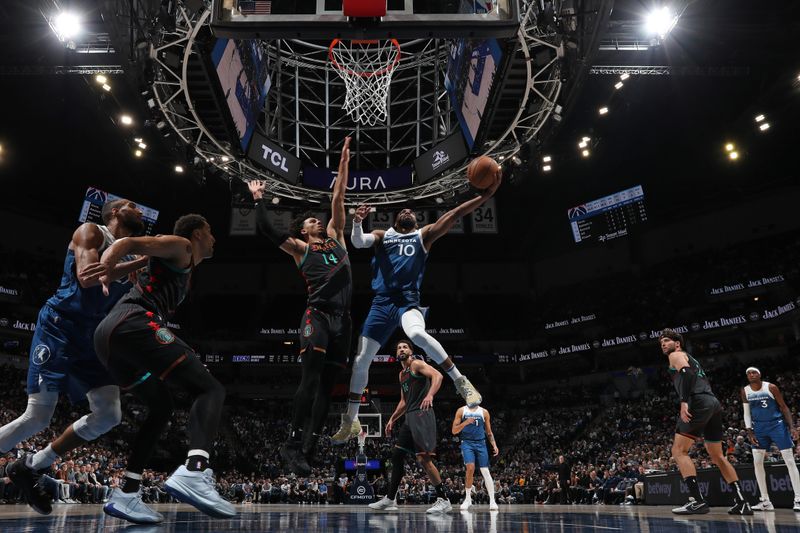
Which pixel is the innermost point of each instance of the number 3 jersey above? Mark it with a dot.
(399, 263)
(329, 279)
(763, 407)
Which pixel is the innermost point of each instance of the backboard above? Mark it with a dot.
(325, 19)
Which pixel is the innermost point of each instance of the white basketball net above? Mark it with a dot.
(366, 68)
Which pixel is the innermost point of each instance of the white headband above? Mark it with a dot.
(752, 369)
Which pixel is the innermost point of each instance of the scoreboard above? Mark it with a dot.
(609, 217)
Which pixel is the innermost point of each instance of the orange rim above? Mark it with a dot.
(369, 74)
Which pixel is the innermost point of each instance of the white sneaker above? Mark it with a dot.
(763, 505)
(493, 506)
(467, 391)
(384, 504)
(347, 431)
(796, 507)
(130, 507)
(197, 489)
(441, 506)
(467, 503)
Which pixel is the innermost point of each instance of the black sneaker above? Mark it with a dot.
(27, 481)
(692, 507)
(292, 454)
(741, 508)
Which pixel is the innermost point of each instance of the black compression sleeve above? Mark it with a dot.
(687, 376)
(265, 228)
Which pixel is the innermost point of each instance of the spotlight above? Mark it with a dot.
(438, 200)
(516, 161)
(729, 147)
(142, 146)
(582, 144)
(764, 126)
(618, 85)
(101, 79)
(660, 22)
(106, 87)
(755, 298)
(547, 168)
(733, 156)
(225, 158)
(586, 139)
(126, 120)
(276, 200)
(585, 153)
(178, 169)
(760, 118)
(547, 159)
(138, 153)
(624, 76)
(138, 139)
(603, 110)
(66, 25)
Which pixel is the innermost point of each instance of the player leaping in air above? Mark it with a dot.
(397, 271)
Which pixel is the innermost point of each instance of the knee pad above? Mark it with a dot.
(40, 409)
(106, 413)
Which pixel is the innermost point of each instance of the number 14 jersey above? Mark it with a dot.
(326, 269)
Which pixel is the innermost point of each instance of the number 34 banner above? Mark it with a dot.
(484, 218)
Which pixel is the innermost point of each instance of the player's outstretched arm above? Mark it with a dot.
(357, 235)
(86, 242)
(292, 246)
(173, 249)
(336, 223)
(487, 419)
(432, 232)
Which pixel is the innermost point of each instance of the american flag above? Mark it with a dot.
(255, 7)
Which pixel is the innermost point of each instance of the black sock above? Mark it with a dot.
(440, 491)
(130, 484)
(398, 469)
(694, 488)
(738, 497)
(197, 463)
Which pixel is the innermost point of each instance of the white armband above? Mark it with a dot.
(748, 422)
(359, 238)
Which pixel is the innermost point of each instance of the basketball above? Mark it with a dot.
(482, 172)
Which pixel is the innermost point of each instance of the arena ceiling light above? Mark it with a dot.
(585, 153)
(764, 126)
(101, 79)
(106, 87)
(624, 76)
(729, 147)
(178, 169)
(660, 22)
(142, 145)
(126, 120)
(603, 111)
(618, 85)
(138, 153)
(66, 25)
(547, 168)
(760, 118)
(547, 159)
(733, 155)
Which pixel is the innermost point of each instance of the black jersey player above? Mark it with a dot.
(320, 254)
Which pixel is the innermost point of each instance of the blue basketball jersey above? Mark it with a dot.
(399, 262)
(763, 407)
(473, 431)
(90, 304)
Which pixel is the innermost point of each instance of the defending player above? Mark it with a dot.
(62, 357)
(700, 415)
(397, 271)
(144, 356)
(326, 327)
(768, 420)
(474, 426)
(419, 383)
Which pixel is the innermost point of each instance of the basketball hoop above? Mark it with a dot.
(366, 67)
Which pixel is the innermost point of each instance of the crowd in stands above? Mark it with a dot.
(607, 449)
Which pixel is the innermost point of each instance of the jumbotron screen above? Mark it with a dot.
(609, 217)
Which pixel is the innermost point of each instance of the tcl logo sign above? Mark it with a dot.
(274, 158)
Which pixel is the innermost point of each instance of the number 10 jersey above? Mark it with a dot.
(399, 263)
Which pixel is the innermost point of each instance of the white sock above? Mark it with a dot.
(489, 482)
(761, 476)
(794, 475)
(453, 372)
(352, 409)
(468, 494)
(43, 458)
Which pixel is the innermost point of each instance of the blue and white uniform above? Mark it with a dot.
(397, 271)
(473, 437)
(62, 356)
(768, 423)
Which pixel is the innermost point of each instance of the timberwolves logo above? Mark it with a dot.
(308, 330)
(164, 336)
(41, 354)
